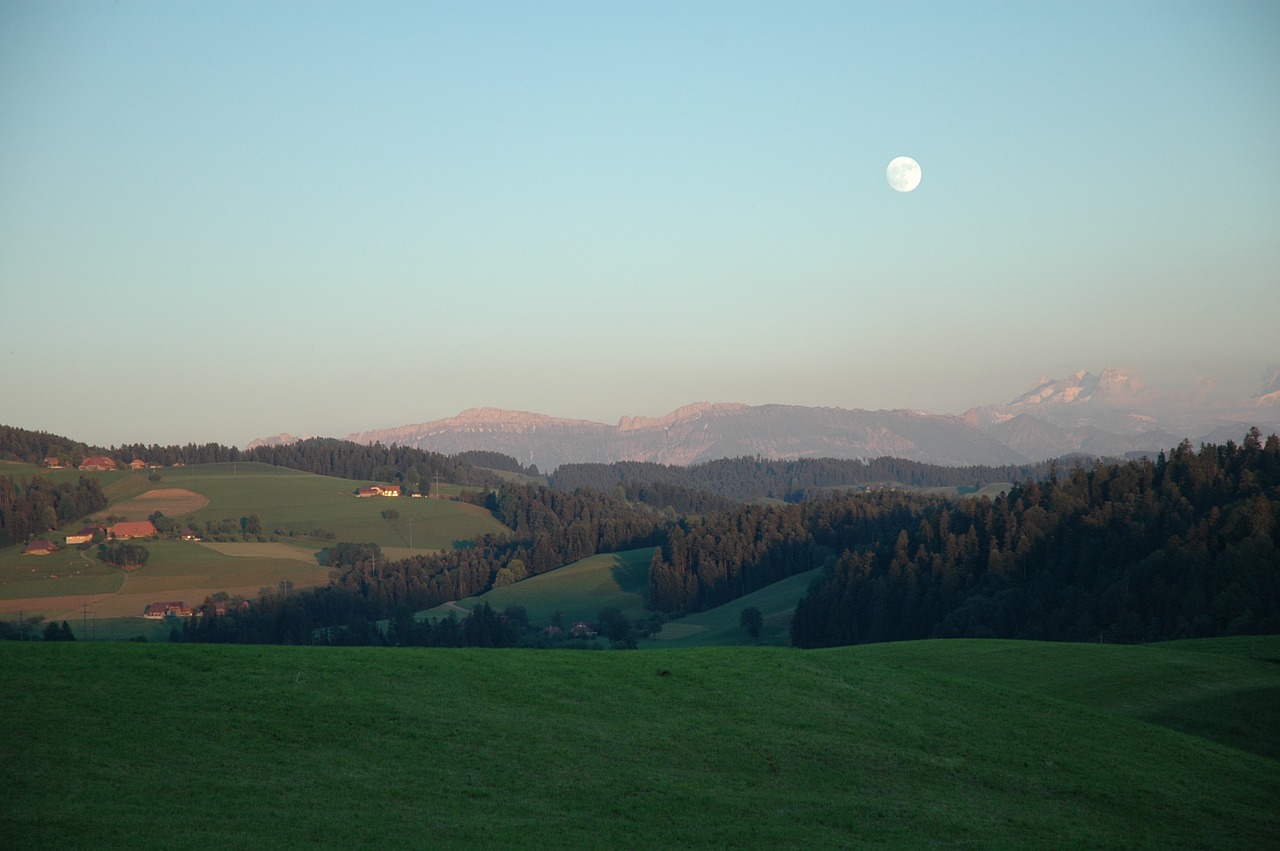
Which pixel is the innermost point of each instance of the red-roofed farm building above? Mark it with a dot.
(132, 529)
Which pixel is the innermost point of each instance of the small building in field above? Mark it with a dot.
(40, 547)
(97, 463)
(582, 629)
(137, 464)
(379, 490)
(53, 463)
(132, 529)
(159, 611)
(85, 535)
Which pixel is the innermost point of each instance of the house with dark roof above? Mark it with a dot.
(40, 547)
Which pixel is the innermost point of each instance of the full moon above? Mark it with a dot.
(903, 174)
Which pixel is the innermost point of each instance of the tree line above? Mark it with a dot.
(345, 459)
(747, 478)
(34, 506)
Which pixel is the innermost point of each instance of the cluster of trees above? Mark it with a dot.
(124, 556)
(744, 479)
(496, 461)
(402, 465)
(706, 562)
(280, 617)
(1186, 546)
(30, 507)
(28, 630)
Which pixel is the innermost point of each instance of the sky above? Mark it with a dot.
(222, 220)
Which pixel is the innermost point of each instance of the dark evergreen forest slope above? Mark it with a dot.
(1183, 547)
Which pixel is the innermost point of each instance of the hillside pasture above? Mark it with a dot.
(297, 504)
(579, 590)
(962, 744)
(308, 511)
(722, 625)
(177, 570)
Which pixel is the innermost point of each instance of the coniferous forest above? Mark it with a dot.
(1142, 551)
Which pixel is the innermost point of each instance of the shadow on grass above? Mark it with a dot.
(1247, 719)
(632, 575)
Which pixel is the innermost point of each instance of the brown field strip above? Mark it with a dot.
(171, 502)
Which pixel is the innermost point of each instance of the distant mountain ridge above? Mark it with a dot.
(705, 432)
(1108, 414)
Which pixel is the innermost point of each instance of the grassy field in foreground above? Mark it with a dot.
(954, 743)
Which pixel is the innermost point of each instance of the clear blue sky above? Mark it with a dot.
(222, 220)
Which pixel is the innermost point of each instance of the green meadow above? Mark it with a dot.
(965, 744)
(722, 625)
(300, 514)
(579, 590)
(620, 580)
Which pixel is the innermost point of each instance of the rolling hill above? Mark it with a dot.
(300, 514)
(958, 743)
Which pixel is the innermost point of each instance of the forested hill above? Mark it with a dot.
(1141, 551)
(755, 478)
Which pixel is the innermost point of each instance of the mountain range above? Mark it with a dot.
(1108, 414)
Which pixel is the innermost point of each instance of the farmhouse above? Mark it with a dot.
(159, 611)
(40, 547)
(132, 529)
(98, 463)
(85, 535)
(53, 463)
(137, 464)
(379, 490)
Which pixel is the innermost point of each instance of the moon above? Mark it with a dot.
(903, 174)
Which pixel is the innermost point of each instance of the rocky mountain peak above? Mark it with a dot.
(681, 414)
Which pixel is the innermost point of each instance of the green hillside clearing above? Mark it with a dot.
(579, 590)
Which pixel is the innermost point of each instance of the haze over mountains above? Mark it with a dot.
(1108, 414)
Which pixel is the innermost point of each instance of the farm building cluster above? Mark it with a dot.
(379, 490)
(100, 464)
(122, 531)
